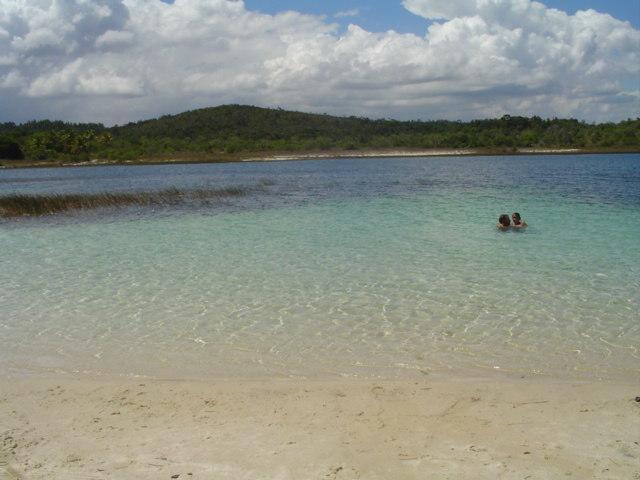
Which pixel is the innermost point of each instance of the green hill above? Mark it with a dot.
(228, 130)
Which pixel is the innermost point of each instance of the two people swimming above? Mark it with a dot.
(505, 223)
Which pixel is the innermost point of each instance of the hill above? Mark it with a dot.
(228, 130)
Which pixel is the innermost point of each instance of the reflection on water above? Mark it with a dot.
(352, 267)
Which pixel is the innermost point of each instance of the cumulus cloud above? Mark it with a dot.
(121, 60)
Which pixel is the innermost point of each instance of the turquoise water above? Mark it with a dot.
(372, 268)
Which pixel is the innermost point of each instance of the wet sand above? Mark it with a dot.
(74, 428)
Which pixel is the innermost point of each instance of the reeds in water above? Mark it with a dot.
(38, 205)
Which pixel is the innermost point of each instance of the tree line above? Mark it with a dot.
(238, 129)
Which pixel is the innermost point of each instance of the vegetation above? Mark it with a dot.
(220, 132)
(37, 205)
(10, 149)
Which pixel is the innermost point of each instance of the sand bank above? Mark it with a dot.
(414, 429)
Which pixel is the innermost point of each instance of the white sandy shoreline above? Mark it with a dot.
(333, 154)
(362, 154)
(68, 428)
(406, 153)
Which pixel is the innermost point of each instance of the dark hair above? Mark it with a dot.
(504, 220)
(517, 215)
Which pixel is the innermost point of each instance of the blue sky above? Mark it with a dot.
(382, 15)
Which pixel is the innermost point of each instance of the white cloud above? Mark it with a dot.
(120, 60)
(48, 27)
(114, 38)
(81, 79)
(354, 12)
(12, 79)
(7, 60)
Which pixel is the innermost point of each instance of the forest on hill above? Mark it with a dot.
(219, 132)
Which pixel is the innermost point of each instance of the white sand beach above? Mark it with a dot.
(367, 153)
(69, 428)
(394, 152)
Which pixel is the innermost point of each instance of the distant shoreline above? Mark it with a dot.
(194, 158)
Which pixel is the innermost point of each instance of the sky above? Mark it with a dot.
(115, 61)
(382, 15)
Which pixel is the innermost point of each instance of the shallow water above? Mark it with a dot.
(376, 267)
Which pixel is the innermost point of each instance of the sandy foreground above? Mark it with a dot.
(330, 430)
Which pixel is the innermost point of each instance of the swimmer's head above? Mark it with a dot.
(504, 220)
(515, 216)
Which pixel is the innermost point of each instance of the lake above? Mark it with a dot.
(375, 268)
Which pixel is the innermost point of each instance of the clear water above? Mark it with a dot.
(376, 267)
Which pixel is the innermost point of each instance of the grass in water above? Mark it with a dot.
(38, 205)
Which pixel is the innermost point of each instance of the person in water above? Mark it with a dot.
(517, 221)
(503, 222)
